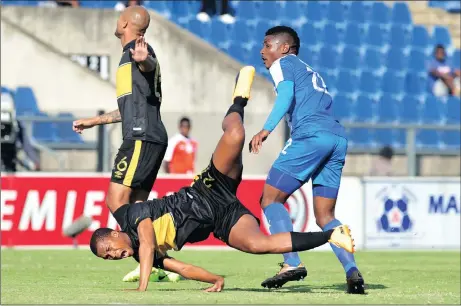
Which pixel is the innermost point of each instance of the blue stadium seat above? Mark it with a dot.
(420, 37)
(357, 12)
(441, 35)
(431, 111)
(342, 107)
(291, 10)
(181, 12)
(220, 32)
(314, 12)
(336, 12)
(388, 109)
(328, 58)
(164, 8)
(260, 31)
(21, 2)
(380, 13)
(398, 37)
(411, 110)
(269, 10)
(376, 36)
(45, 131)
(247, 10)
(359, 137)
(396, 60)
(369, 83)
(414, 84)
(390, 137)
(331, 35)
(308, 56)
(353, 35)
(393, 83)
(329, 78)
(453, 110)
(346, 82)
(237, 51)
(350, 58)
(417, 61)
(427, 139)
(453, 6)
(240, 32)
(25, 101)
(64, 130)
(199, 28)
(7, 90)
(363, 109)
(309, 35)
(401, 14)
(373, 59)
(451, 139)
(456, 59)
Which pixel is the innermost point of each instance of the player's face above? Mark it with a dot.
(114, 248)
(184, 129)
(440, 54)
(119, 30)
(272, 50)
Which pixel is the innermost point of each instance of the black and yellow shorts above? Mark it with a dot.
(137, 164)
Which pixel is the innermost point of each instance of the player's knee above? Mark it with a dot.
(236, 134)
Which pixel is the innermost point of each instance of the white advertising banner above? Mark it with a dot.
(349, 210)
(410, 213)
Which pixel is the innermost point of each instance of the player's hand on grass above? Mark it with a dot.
(79, 125)
(217, 287)
(257, 141)
(140, 52)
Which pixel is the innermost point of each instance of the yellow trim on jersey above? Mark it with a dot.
(165, 232)
(133, 163)
(124, 80)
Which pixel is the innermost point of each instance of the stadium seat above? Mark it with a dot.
(441, 35)
(410, 110)
(431, 111)
(346, 82)
(220, 33)
(369, 83)
(309, 35)
(373, 59)
(401, 14)
(453, 110)
(330, 35)
(388, 109)
(359, 137)
(456, 59)
(420, 37)
(164, 8)
(270, 11)
(64, 130)
(336, 12)
(238, 52)
(357, 13)
(363, 109)
(350, 58)
(376, 36)
(260, 31)
(396, 60)
(328, 58)
(7, 90)
(240, 32)
(246, 10)
(451, 139)
(353, 35)
(308, 56)
(198, 28)
(314, 12)
(427, 139)
(390, 137)
(414, 84)
(398, 37)
(25, 101)
(380, 13)
(44, 131)
(393, 83)
(342, 107)
(417, 61)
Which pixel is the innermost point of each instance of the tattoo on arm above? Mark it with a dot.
(112, 117)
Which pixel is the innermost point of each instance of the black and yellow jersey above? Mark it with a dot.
(139, 97)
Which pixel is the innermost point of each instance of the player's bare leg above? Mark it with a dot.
(324, 211)
(227, 157)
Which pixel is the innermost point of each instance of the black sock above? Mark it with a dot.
(236, 108)
(310, 240)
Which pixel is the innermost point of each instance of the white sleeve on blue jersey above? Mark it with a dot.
(282, 70)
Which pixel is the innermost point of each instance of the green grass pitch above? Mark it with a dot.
(77, 277)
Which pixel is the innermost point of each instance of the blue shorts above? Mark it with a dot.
(320, 156)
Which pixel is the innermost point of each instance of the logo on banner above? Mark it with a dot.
(395, 202)
(297, 206)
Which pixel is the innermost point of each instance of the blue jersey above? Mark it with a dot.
(312, 107)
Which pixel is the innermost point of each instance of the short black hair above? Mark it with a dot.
(439, 46)
(386, 152)
(99, 235)
(286, 30)
(184, 119)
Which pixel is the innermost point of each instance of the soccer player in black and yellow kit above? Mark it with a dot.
(209, 205)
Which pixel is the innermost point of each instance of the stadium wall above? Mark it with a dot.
(384, 213)
(197, 79)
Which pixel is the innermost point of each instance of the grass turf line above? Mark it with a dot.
(77, 277)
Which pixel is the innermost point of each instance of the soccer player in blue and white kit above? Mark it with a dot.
(316, 150)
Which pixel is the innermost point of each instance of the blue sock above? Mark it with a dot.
(346, 258)
(280, 222)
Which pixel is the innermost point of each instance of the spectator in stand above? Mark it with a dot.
(383, 164)
(443, 78)
(209, 8)
(180, 154)
(71, 3)
(121, 5)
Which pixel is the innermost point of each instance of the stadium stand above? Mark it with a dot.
(372, 56)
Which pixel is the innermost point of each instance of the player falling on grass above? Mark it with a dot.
(210, 205)
(139, 97)
(316, 150)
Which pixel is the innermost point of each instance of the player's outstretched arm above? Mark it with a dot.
(146, 252)
(107, 118)
(195, 273)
